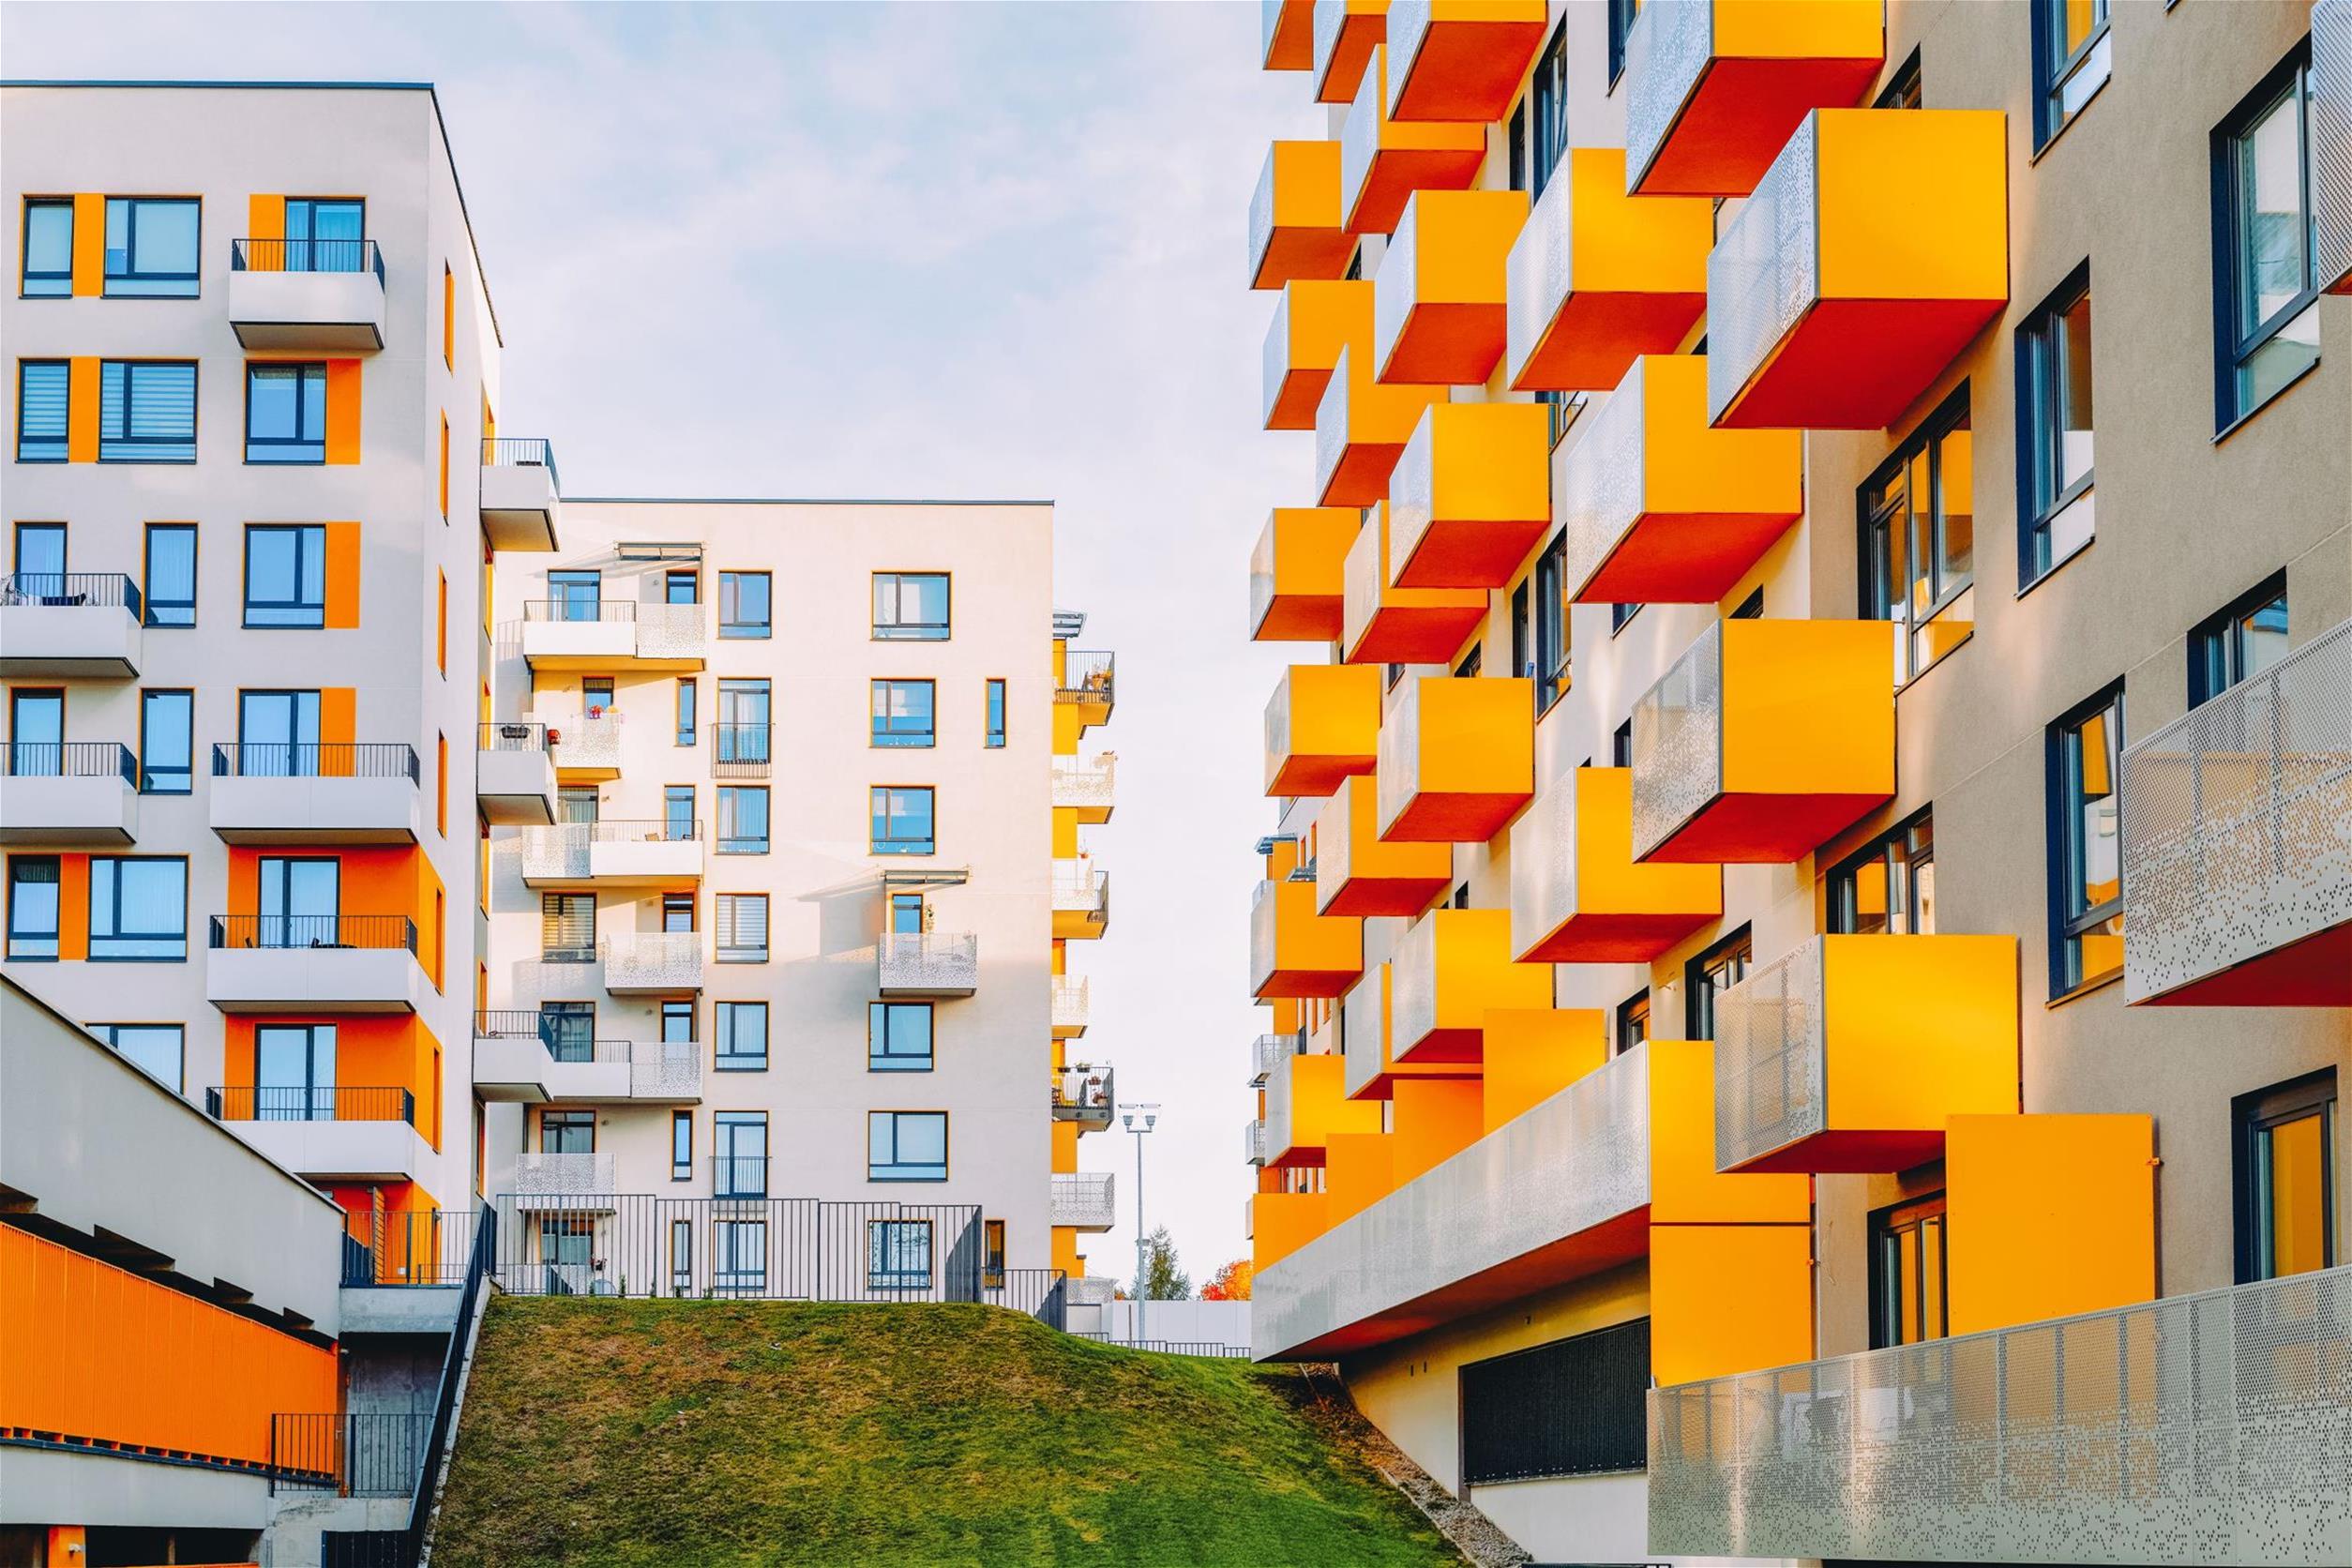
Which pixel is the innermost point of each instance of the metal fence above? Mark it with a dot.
(261, 1103)
(69, 760)
(509, 451)
(374, 1455)
(377, 931)
(1086, 677)
(306, 255)
(1574, 1407)
(70, 589)
(1171, 1347)
(316, 760)
(425, 1248)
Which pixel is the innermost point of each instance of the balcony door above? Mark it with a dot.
(301, 901)
(41, 562)
(278, 734)
(293, 1072)
(907, 915)
(569, 1029)
(742, 1168)
(743, 721)
(37, 733)
(575, 596)
(325, 234)
(567, 1132)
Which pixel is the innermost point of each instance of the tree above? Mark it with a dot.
(1230, 1283)
(1162, 1281)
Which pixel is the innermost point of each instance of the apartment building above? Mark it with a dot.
(1805, 930)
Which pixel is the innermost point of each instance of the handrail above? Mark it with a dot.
(516, 451)
(68, 759)
(316, 760)
(71, 590)
(511, 734)
(580, 609)
(307, 255)
(453, 1369)
(249, 1102)
(376, 932)
(1086, 677)
(639, 830)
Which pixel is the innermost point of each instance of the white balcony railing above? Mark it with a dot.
(1084, 783)
(539, 1175)
(1267, 1052)
(1083, 1198)
(653, 962)
(1254, 1141)
(1079, 888)
(928, 963)
(581, 742)
(1070, 1006)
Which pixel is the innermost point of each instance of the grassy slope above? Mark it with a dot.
(695, 1433)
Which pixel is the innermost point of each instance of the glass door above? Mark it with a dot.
(41, 563)
(301, 901)
(324, 236)
(743, 721)
(743, 1154)
(36, 734)
(278, 734)
(294, 1073)
(568, 1028)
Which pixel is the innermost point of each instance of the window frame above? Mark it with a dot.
(726, 916)
(878, 1016)
(304, 449)
(877, 795)
(1553, 667)
(560, 910)
(25, 275)
(682, 1137)
(2065, 858)
(880, 737)
(1899, 849)
(109, 277)
(731, 586)
(54, 936)
(881, 1248)
(110, 1032)
(896, 630)
(2054, 73)
(1888, 1224)
(992, 715)
(2043, 493)
(113, 865)
(2217, 644)
(895, 1163)
(732, 794)
(63, 440)
(1877, 520)
(305, 536)
(686, 711)
(146, 773)
(2255, 1114)
(150, 604)
(1698, 990)
(1629, 1017)
(724, 1059)
(113, 448)
(2235, 346)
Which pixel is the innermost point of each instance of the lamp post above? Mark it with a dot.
(1149, 1113)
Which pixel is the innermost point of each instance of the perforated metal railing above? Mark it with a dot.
(1770, 1040)
(1083, 1198)
(1398, 778)
(1261, 216)
(1678, 744)
(1544, 862)
(1668, 49)
(1412, 981)
(2210, 1429)
(1331, 416)
(1763, 272)
(2331, 141)
(1273, 368)
(2236, 822)
(1362, 1032)
(1602, 482)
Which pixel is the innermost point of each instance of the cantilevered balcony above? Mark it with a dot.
(327, 1134)
(69, 626)
(314, 963)
(522, 496)
(1577, 895)
(1294, 220)
(514, 773)
(608, 852)
(1322, 726)
(1358, 873)
(1306, 1105)
(619, 635)
(323, 793)
(1713, 88)
(1437, 300)
(73, 793)
(2331, 143)
(1383, 623)
(1296, 573)
(1361, 427)
(1451, 967)
(1460, 59)
(1296, 953)
(1254, 1141)
(1085, 785)
(1086, 1096)
(1070, 1006)
(1764, 740)
(1267, 1052)
(2238, 843)
(1471, 495)
(1813, 318)
(325, 294)
(1383, 161)
(1457, 757)
(586, 747)
(1598, 278)
(1658, 507)
(1369, 1035)
(652, 963)
(1083, 1200)
(563, 1183)
(1082, 899)
(1346, 36)
(928, 963)
(530, 1057)
(1313, 321)
(1287, 32)
(1087, 686)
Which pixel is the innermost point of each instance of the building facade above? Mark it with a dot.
(1805, 931)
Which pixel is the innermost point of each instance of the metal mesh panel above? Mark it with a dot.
(665, 1069)
(1081, 1198)
(916, 960)
(1261, 202)
(1070, 1006)
(1539, 272)
(586, 743)
(1278, 720)
(2332, 140)
(560, 850)
(1544, 864)
(1412, 493)
(1274, 366)
(2238, 823)
(669, 631)
(1769, 1042)
(2212, 1429)
(1264, 928)
(1330, 425)
(1407, 29)
(1362, 1032)
(1360, 132)
(1414, 980)
(538, 1174)
(1362, 574)
(1603, 482)
(1763, 274)
(1254, 1142)
(654, 960)
(1666, 54)
(1398, 758)
(1274, 1130)
(1265, 1052)
(1678, 744)
(1394, 294)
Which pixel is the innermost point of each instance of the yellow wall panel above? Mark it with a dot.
(2050, 1216)
(1532, 1053)
(1685, 1185)
(1728, 1298)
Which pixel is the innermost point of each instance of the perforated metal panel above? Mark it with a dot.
(1407, 29)
(1329, 17)
(1395, 289)
(1678, 744)
(1770, 1058)
(1666, 54)
(1265, 1052)
(1398, 758)
(1278, 718)
(1330, 425)
(1085, 782)
(1540, 271)
(1261, 937)
(1603, 480)
(1764, 272)
(1360, 578)
(585, 742)
(1362, 1032)
(669, 631)
(538, 1174)
(2212, 1429)
(2238, 823)
(665, 1070)
(1544, 864)
(1273, 366)
(2332, 140)
(1261, 217)
(1254, 1142)
(557, 850)
(1083, 1198)
(654, 960)
(1413, 981)
(1360, 132)
(1273, 1136)
(918, 961)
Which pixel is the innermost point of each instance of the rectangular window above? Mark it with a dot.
(742, 928)
(2285, 1178)
(903, 713)
(743, 819)
(285, 414)
(899, 1037)
(1548, 130)
(569, 1030)
(2240, 643)
(681, 1154)
(1550, 671)
(285, 575)
(440, 627)
(1902, 89)
(1711, 974)
(293, 1080)
(682, 587)
(170, 572)
(278, 734)
(2071, 61)
(908, 914)
(157, 1050)
(677, 1020)
(138, 908)
(994, 715)
(677, 913)
(33, 906)
(151, 244)
(740, 734)
(596, 695)
(1633, 1021)
(744, 608)
(41, 559)
(898, 1255)
(1908, 1274)
(902, 819)
(743, 1036)
(146, 411)
(739, 1255)
(906, 1146)
(41, 408)
(448, 318)
(567, 1132)
(2053, 429)
(2265, 312)
(48, 247)
(37, 733)
(1888, 888)
(575, 596)
(2086, 864)
(739, 1166)
(677, 813)
(567, 927)
(911, 606)
(992, 1254)
(326, 233)
(1621, 14)
(684, 712)
(1574, 1407)
(167, 742)
(1919, 540)
(1621, 746)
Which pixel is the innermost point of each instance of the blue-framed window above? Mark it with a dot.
(898, 1255)
(739, 1251)
(139, 907)
(574, 594)
(2266, 313)
(285, 412)
(285, 575)
(2055, 506)
(677, 812)
(2239, 641)
(147, 411)
(2070, 62)
(2085, 754)
(151, 244)
(744, 607)
(326, 233)
(911, 606)
(743, 819)
(743, 1036)
(43, 396)
(995, 737)
(47, 270)
(167, 742)
(682, 1169)
(684, 711)
(169, 589)
(1919, 540)
(903, 820)
(906, 1146)
(742, 933)
(34, 886)
(157, 1050)
(904, 714)
(899, 1037)
(1621, 14)
(739, 1162)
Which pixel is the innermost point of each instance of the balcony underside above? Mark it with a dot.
(1615, 939)
(1739, 117)
(1849, 1151)
(1762, 829)
(1815, 380)
(1682, 558)
(2314, 971)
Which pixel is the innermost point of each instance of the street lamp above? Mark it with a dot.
(1149, 1114)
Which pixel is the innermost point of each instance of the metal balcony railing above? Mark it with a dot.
(1084, 1094)
(740, 750)
(263, 1103)
(654, 960)
(580, 609)
(1083, 1198)
(69, 760)
(306, 255)
(316, 760)
(1084, 783)
(586, 741)
(1079, 888)
(1086, 677)
(71, 591)
(1267, 1052)
(353, 1455)
(377, 932)
(1772, 1040)
(538, 1173)
(506, 451)
(914, 959)
(1679, 742)
(1092, 1290)
(1254, 1141)
(401, 1247)
(511, 734)
(739, 1176)
(1070, 1004)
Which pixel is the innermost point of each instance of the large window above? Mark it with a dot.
(683, 712)
(743, 819)
(1574, 1407)
(1890, 886)
(903, 820)
(1621, 14)
(2086, 863)
(1907, 1274)
(2069, 61)
(903, 713)
(2053, 429)
(742, 928)
(294, 1081)
(739, 1164)
(2240, 641)
(152, 246)
(170, 590)
(48, 247)
(1708, 977)
(167, 742)
(42, 403)
(1919, 540)
(906, 1146)
(157, 1050)
(2266, 315)
(898, 1255)
(285, 575)
(36, 731)
(1539, 129)
(911, 606)
(325, 234)
(744, 608)
(742, 730)
(567, 927)
(278, 734)
(33, 906)
(743, 1036)
(899, 1037)
(146, 411)
(2285, 1178)
(285, 412)
(138, 908)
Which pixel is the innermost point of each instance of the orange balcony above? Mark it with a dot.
(1766, 738)
(1470, 494)
(1305, 1106)
(1715, 87)
(1358, 873)
(1294, 227)
(1658, 507)
(1437, 299)
(1460, 59)
(1373, 1069)
(1294, 952)
(1358, 1171)
(1287, 28)
(1347, 35)
(1457, 759)
(1296, 572)
(1283, 1222)
(1577, 895)
(1449, 969)
(1313, 321)
(1322, 726)
(1361, 427)
(1874, 250)
(1532, 1053)
(1383, 161)
(1598, 277)
(1382, 623)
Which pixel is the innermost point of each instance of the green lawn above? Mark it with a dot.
(695, 1433)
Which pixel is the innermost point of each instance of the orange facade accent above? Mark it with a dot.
(342, 576)
(81, 391)
(388, 880)
(89, 252)
(372, 1051)
(342, 411)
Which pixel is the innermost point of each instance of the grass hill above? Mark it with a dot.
(700, 1434)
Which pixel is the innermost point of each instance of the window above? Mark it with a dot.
(992, 1254)
(576, 802)
(448, 318)
(899, 1037)
(575, 596)
(1549, 625)
(743, 1036)
(682, 587)
(683, 711)
(2085, 867)
(742, 928)
(994, 715)
(2053, 429)
(908, 914)
(278, 734)
(1709, 976)
(596, 695)
(743, 604)
(739, 1167)
(294, 1078)
(170, 589)
(1548, 129)
(137, 909)
(36, 731)
(677, 913)
(902, 819)
(1575, 1407)
(1919, 540)
(301, 901)
(2285, 1178)
(1888, 888)
(902, 713)
(568, 1028)
(441, 626)
(2266, 317)
(567, 927)
(743, 819)
(48, 248)
(146, 411)
(151, 246)
(681, 1158)
(567, 1132)
(906, 1146)
(285, 414)
(911, 606)
(2240, 643)
(1621, 14)
(898, 1255)
(444, 469)
(33, 906)
(1633, 1021)
(156, 1049)
(739, 1255)
(2069, 61)
(1907, 1274)
(741, 733)
(677, 814)
(285, 575)
(682, 1231)
(1472, 663)
(41, 559)
(1901, 90)
(677, 1020)
(42, 403)
(1621, 746)
(1750, 609)
(326, 233)
(167, 742)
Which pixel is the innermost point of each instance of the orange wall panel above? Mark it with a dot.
(1532, 1053)
(1728, 1298)
(342, 577)
(82, 388)
(1435, 1119)
(2051, 1215)
(342, 411)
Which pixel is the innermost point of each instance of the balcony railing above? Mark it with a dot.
(306, 255)
(1092, 1290)
(1086, 677)
(1079, 888)
(1084, 783)
(378, 932)
(740, 750)
(1267, 1052)
(1083, 1198)
(930, 962)
(561, 1175)
(316, 760)
(1254, 1141)
(263, 1103)
(422, 1247)
(653, 960)
(71, 591)
(512, 735)
(69, 760)
(580, 609)
(521, 452)
(739, 1176)
(1069, 1004)
(586, 742)
(1084, 1095)
(371, 1454)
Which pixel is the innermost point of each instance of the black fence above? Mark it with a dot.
(740, 750)
(424, 1248)
(363, 1548)
(521, 451)
(69, 760)
(511, 735)
(306, 255)
(380, 931)
(477, 1268)
(71, 590)
(1212, 1348)
(252, 1103)
(1575, 1407)
(1086, 677)
(355, 1456)
(316, 760)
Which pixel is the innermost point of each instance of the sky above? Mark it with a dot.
(947, 250)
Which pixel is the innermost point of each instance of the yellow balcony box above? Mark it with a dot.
(1456, 760)
(1383, 161)
(1313, 321)
(1283, 1222)
(1322, 726)
(1874, 250)
(1347, 35)
(1383, 623)
(1434, 1120)
(1577, 895)
(1451, 967)
(1460, 59)
(1294, 952)
(1763, 740)
(1532, 1053)
(1359, 873)
(1658, 507)
(1361, 427)
(1288, 32)
(2051, 1215)
(1295, 216)
(1437, 299)
(1373, 1070)
(1598, 278)
(1357, 1173)
(1297, 571)
(1305, 1106)
(1715, 87)
(1728, 1298)
(1471, 495)
(1851, 1053)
